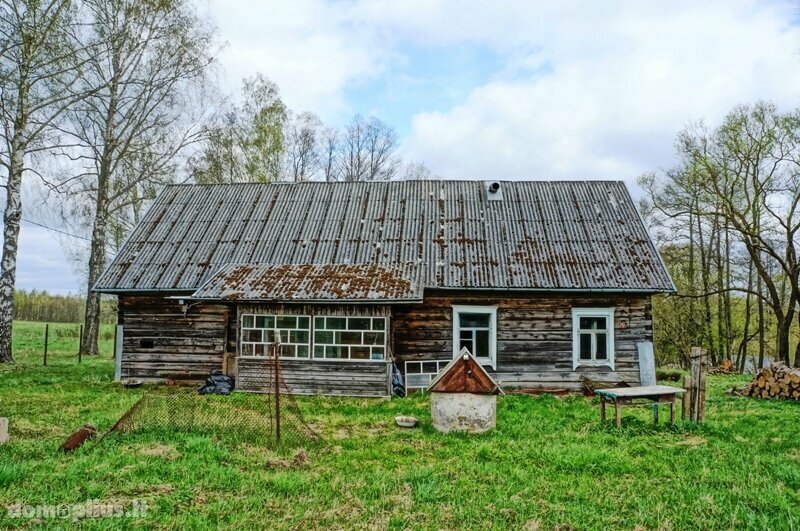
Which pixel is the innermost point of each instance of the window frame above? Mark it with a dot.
(311, 338)
(492, 312)
(608, 314)
(275, 316)
(384, 345)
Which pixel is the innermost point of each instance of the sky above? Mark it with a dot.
(501, 89)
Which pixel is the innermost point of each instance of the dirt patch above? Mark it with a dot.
(692, 441)
(343, 433)
(299, 460)
(154, 489)
(165, 451)
(377, 429)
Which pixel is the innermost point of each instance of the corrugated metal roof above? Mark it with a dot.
(306, 282)
(547, 235)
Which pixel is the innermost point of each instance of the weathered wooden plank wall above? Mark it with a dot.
(303, 377)
(534, 335)
(161, 343)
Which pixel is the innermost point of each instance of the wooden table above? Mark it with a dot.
(623, 396)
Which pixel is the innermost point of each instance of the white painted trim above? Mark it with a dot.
(492, 311)
(577, 313)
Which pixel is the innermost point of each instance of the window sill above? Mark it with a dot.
(593, 364)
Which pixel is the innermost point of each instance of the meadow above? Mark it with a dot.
(550, 464)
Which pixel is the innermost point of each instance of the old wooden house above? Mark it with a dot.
(544, 282)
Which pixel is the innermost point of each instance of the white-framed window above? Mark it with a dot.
(292, 331)
(475, 327)
(592, 336)
(419, 374)
(350, 338)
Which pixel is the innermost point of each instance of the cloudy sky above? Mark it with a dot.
(503, 89)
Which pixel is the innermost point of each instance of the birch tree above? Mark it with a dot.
(149, 57)
(366, 150)
(39, 67)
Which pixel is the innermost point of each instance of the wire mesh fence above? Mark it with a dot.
(272, 418)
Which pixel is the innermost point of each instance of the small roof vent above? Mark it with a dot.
(494, 192)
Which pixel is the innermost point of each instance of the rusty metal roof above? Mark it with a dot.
(542, 235)
(348, 282)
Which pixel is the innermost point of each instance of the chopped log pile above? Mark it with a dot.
(776, 381)
(726, 367)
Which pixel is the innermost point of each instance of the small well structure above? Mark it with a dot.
(464, 396)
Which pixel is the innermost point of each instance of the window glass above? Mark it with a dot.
(259, 331)
(474, 320)
(482, 343)
(355, 338)
(586, 346)
(593, 323)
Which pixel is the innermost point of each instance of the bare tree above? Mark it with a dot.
(366, 150)
(147, 58)
(38, 68)
(302, 138)
(329, 152)
(418, 171)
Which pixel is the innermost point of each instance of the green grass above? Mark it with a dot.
(549, 464)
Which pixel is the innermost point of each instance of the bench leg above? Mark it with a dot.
(672, 412)
(655, 413)
(602, 409)
(617, 415)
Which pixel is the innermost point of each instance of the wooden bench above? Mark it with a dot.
(623, 396)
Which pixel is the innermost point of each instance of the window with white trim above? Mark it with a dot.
(350, 338)
(592, 336)
(292, 331)
(475, 328)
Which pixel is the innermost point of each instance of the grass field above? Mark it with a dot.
(549, 464)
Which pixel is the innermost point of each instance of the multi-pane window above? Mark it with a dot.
(350, 338)
(475, 328)
(593, 336)
(293, 332)
(473, 333)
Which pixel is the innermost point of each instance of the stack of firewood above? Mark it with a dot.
(726, 367)
(775, 381)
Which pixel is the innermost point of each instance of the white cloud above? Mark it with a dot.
(617, 86)
(312, 49)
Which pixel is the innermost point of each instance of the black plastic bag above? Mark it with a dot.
(217, 384)
(398, 386)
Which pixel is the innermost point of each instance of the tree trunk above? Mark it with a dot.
(742, 356)
(782, 350)
(97, 262)
(761, 329)
(8, 265)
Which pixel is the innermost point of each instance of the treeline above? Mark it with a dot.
(261, 140)
(727, 219)
(42, 306)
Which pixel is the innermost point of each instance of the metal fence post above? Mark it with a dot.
(275, 355)
(80, 343)
(46, 337)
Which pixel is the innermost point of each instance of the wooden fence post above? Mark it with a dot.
(46, 337)
(687, 398)
(3, 430)
(698, 385)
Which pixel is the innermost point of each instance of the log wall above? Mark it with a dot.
(312, 377)
(161, 343)
(534, 335)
